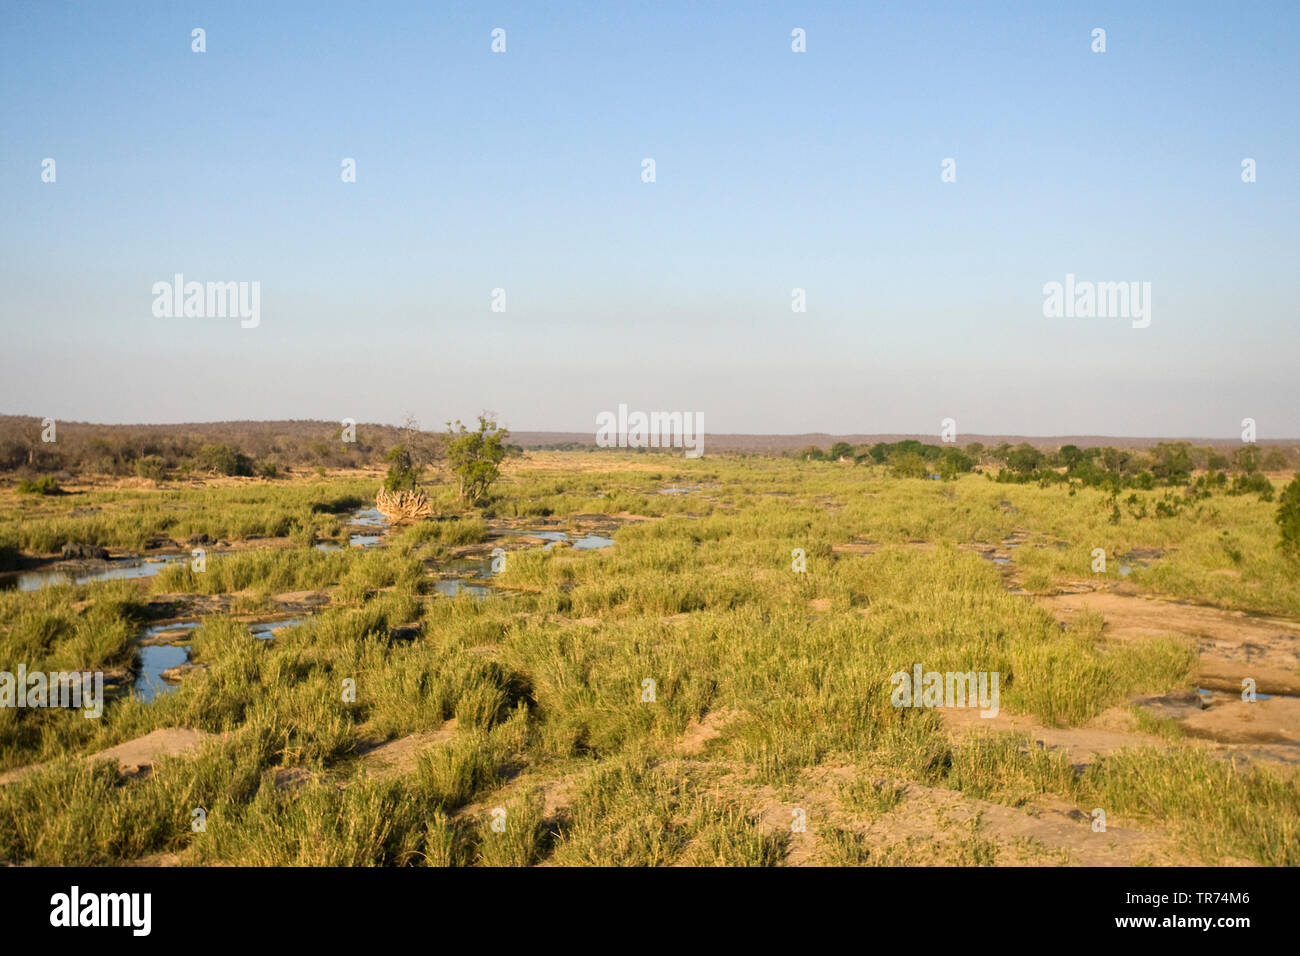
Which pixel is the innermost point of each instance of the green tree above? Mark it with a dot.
(908, 464)
(953, 463)
(1275, 460)
(1246, 459)
(1171, 462)
(1118, 462)
(475, 457)
(403, 472)
(1288, 518)
(1070, 456)
(151, 466)
(406, 459)
(1025, 459)
(224, 460)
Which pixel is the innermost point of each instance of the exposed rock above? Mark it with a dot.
(136, 755)
(406, 632)
(291, 778)
(174, 675)
(393, 757)
(177, 635)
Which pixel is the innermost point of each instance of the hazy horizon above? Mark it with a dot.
(775, 171)
(436, 425)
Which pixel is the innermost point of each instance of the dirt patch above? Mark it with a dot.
(1048, 827)
(700, 732)
(302, 600)
(934, 826)
(400, 756)
(1082, 745)
(135, 756)
(1232, 645)
(1272, 721)
(855, 547)
(142, 752)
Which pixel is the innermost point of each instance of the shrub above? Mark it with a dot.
(1246, 459)
(1288, 518)
(1252, 483)
(1025, 459)
(41, 486)
(475, 457)
(152, 467)
(224, 460)
(953, 462)
(908, 464)
(403, 472)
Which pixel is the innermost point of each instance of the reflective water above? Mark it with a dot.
(114, 569)
(266, 629)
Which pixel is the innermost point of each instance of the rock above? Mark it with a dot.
(405, 632)
(291, 778)
(174, 675)
(83, 552)
(135, 755)
(162, 638)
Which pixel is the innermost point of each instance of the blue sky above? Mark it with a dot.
(775, 170)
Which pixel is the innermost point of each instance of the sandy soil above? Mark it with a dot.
(135, 756)
(1231, 644)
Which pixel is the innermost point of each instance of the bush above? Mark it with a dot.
(41, 486)
(953, 463)
(908, 464)
(152, 467)
(403, 472)
(1288, 519)
(475, 457)
(224, 460)
(1246, 459)
(1025, 459)
(1252, 483)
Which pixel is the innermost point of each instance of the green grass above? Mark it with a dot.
(544, 680)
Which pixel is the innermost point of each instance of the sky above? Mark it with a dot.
(774, 170)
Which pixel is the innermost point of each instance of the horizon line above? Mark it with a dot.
(572, 434)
